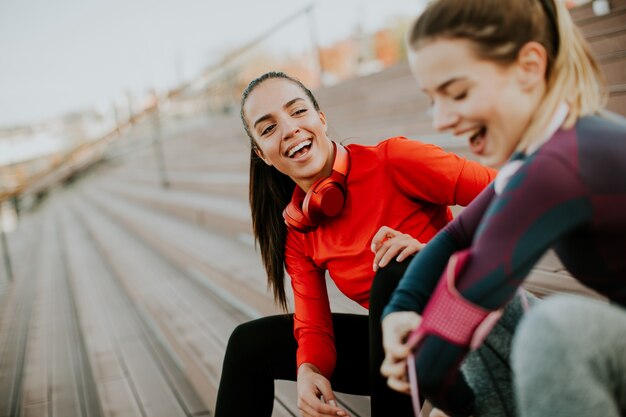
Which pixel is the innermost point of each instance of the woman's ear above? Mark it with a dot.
(323, 118)
(259, 153)
(532, 63)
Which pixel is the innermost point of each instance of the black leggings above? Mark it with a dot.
(263, 350)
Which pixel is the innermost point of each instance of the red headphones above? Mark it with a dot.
(324, 199)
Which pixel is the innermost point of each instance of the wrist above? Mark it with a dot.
(308, 367)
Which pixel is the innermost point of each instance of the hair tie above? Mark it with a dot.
(550, 11)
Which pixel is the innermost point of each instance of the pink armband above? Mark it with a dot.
(451, 317)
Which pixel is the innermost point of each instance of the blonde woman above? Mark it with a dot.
(515, 78)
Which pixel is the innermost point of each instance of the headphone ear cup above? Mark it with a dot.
(325, 199)
(296, 219)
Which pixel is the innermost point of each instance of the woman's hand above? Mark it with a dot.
(437, 413)
(315, 395)
(389, 243)
(396, 328)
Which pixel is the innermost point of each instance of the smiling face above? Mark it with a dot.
(290, 134)
(488, 103)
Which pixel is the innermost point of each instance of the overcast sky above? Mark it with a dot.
(64, 55)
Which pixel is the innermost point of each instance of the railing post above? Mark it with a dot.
(6, 255)
(158, 148)
(116, 115)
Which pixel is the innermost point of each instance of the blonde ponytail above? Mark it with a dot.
(574, 78)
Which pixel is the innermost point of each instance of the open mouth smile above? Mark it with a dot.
(477, 141)
(299, 149)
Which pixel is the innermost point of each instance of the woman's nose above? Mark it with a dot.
(444, 117)
(290, 128)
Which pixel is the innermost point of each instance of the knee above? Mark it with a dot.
(548, 330)
(385, 282)
(242, 342)
(550, 322)
(377, 302)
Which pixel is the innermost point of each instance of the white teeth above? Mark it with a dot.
(299, 146)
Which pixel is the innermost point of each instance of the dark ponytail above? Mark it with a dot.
(270, 191)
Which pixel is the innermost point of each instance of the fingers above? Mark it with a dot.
(396, 327)
(383, 234)
(396, 373)
(388, 244)
(399, 385)
(384, 254)
(315, 395)
(392, 368)
(410, 250)
(327, 405)
(318, 408)
(437, 413)
(396, 349)
(337, 410)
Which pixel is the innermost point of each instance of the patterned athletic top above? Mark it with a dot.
(569, 195)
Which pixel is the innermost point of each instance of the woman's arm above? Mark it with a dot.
(429, 173)
(542, 202)
(401, 316)
(422, 275)
(313, 327)
(313, 331)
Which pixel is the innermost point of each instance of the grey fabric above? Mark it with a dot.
(569, 359)
(488, 370)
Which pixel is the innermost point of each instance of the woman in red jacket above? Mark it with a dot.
(316, 205)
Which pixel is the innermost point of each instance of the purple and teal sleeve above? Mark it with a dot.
(506, 235)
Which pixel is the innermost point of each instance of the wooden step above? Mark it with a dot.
(222, 335)
(224, 214)
(16, 312)
(183, 322)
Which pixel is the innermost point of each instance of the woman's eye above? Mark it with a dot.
(299, 111)
(460, 96)
(267, 130)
